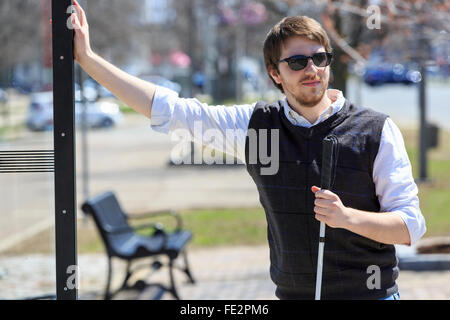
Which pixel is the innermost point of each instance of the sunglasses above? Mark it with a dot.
(299, 62)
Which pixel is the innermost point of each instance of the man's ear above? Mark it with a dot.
(275, 75)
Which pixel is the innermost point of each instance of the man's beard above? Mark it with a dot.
(308, 100)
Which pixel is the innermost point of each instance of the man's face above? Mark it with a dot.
(306, 86)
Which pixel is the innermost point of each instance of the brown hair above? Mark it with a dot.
(287, 28)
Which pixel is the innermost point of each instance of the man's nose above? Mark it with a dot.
(311, 68)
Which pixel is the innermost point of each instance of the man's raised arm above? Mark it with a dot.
(136, 93)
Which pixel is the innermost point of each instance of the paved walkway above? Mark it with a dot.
(228, 273)
(243, 273)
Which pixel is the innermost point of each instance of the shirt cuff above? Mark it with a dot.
(415, 228)
(162, 109)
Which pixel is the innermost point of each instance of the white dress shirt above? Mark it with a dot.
(392, 173)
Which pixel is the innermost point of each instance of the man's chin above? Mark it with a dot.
(311, 102)
(308, 104)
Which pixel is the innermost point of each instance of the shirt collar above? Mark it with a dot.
(338, 102)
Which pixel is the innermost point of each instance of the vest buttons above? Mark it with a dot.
(298, 162)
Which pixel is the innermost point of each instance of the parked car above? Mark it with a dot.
(99, 114)
(380, 74)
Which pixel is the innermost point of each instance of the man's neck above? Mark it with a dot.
(310, 113)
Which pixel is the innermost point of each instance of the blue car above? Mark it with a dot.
(391, 73)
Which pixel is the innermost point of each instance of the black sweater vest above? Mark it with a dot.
(351, 262)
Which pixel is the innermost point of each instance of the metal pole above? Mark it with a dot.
(211, 51)
(423, 124)
(84, 130)
(423, 56)
(191, 45)
(64, 149)
(84, 133)
(240, 51)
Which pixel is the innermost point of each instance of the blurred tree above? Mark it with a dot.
(114, 24)
(19, 34)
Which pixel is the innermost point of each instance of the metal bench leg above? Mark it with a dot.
(127, 276)
(108, 284)
(172, 288)
(186, 267)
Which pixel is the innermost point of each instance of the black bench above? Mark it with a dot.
(122, 241)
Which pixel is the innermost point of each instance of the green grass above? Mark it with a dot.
(125, 108)
(435, 204)
(434, 194)
(211, 227)
(226, 226)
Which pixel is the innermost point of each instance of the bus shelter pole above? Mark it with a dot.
(64, 150)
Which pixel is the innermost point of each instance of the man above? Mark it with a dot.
(373, 201)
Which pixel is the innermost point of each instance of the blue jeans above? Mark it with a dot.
(395, 296)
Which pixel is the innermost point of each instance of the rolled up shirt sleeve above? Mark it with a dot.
(394, 183)
(223, 128)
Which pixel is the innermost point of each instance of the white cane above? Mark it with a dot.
(328, 162)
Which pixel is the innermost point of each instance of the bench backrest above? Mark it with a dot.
(110, 219)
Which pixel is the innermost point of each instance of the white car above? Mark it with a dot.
(3, 96)
(99, 114)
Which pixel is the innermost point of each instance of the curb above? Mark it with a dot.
(409, 259)
(425, 262)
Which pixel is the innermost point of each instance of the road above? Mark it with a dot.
(402, 102)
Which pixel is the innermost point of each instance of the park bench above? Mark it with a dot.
(122, 241)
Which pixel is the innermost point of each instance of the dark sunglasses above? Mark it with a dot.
(299, 62)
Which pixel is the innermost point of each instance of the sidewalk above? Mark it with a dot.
(242, 273)
(227, 273)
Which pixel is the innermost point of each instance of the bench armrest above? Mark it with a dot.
(118, 230)
(115, 230)
(172, 213)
